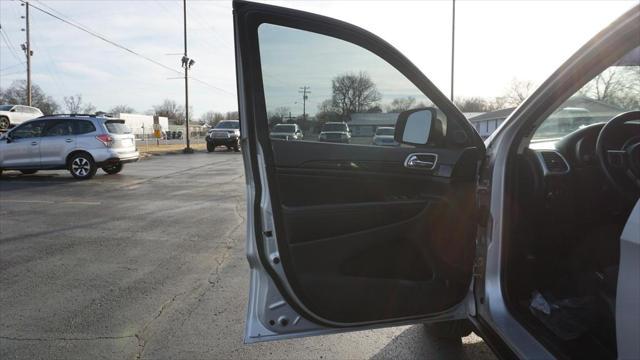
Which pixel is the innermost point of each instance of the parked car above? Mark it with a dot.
(337, 132)
(12, 115)
(535, 248)
(384, 137)
(80, 144)
(286, 132)
(226, 133)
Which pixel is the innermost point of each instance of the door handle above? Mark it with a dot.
(69, 140)
(428, 161)
(34, 143)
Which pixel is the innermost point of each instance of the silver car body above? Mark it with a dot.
(52, 150)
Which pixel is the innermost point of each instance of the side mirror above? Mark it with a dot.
(12, 110)
(418, 127)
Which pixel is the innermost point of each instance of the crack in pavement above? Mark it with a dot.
(142, 337)
(67, 338)
(228, 247)
(142, 341)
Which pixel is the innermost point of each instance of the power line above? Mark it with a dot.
(122, 47)
(10, 45)
(12, 66)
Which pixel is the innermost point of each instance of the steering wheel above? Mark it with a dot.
(621, 167)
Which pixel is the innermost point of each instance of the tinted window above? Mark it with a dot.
(612, 92)
(228, 125)
(28, 130)
(385, 131)
(324, 80)
(334, 127)
(60, 128)
(83, 127)
(284, 128)
(6, 107)
(117, 127)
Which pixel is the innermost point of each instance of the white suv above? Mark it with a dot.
(11, 115)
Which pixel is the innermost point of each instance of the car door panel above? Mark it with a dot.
(344, 235)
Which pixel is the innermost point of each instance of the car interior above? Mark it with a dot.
(562, 262)
(395, 247)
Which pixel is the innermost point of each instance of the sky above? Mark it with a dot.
(496, 41)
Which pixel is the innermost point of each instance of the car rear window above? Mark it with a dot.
(117, 127)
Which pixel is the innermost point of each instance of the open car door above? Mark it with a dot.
(344, 234)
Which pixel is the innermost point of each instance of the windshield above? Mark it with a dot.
(6, 107)
(385, 131)
(334, 127)
(117, 127)
(228, 125)
(612, 92)
(284, 128)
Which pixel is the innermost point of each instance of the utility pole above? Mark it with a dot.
(26, 47)
(304, 90)
(186, 64)
(453, 43)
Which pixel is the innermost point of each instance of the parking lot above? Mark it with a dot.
(150, 263)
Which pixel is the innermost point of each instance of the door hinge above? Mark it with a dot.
(478, 267)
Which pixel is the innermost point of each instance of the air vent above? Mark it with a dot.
(553, 162)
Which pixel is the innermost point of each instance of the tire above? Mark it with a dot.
(28, 172)
(4, 123)
(82, 166)
(111, 170)
(455, 329)
(236, 146)
(210, 147)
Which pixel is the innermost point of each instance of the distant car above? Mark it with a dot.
(12, 115)
(286, 132)
(384, 137)
(226, 133)
(337, 132)
(80, 144)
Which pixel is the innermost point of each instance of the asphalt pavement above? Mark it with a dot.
(150, 264)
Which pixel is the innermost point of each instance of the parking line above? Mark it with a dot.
(29, 201)
(54, 202)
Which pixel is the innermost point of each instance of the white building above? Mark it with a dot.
(142, 124)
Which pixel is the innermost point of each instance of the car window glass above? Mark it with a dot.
(335, 91)
(614, 91)
(117, 127)
(59, 128)
(83, 127)
(28, 130)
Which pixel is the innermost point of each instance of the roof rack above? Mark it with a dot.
(74, 115)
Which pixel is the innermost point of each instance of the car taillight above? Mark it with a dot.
(105, 139)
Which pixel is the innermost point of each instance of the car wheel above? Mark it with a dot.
(82, 166)
(114, 169)
(210, 147)
(449, 329)
(28, 172)
(4, 123)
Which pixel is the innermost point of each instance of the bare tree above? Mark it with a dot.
(16, 93)
(170, 109)
(212, 118)
(232, 115)
(354, 93)
(517, 91)
(401, 104)
(74, 105)
(119, 109)
(278, 114)
(619, 86)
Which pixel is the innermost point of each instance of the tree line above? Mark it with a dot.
(16, 93)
